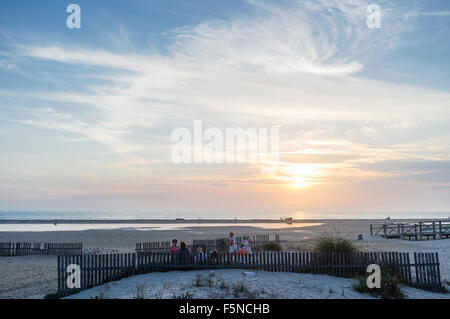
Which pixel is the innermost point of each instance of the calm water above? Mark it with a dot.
(45, 215)
(141, 226)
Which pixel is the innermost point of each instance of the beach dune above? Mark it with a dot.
(35, 276)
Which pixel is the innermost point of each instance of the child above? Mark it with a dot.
(200, 254)
(173, 247)
(245, 248)
(214, 254)
(232, 243)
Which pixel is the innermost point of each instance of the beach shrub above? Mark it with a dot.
(187, 295)
(272, 246)
(390, 284)
(198, 282)
(222, 285)
(99, 296)
(333, 243)
(240, 289)
(204, 281)
(140, 292)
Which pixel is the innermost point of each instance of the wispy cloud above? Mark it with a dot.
(430, 14)
(252, 64)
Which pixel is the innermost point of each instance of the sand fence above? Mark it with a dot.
(25, 249)
(207, 245)
(421, 271)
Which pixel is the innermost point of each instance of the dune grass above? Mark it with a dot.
(390, 284)
(333, 243)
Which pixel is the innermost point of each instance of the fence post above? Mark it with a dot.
(58, 262)
(420, 230)
(438, 271)
(434, 230)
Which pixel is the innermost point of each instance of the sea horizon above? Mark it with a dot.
(29, 215)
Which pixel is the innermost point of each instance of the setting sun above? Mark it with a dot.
(300, 182)
(301, 175)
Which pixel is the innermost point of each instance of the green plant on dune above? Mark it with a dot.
(390, 284)
(99, 296)
(140, 292)
(241, 290)
(333, 243)
(186, 295)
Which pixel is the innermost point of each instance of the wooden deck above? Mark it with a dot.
(438, 229)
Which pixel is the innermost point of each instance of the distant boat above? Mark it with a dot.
(288, 218)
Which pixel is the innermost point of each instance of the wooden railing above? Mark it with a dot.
(418, 231)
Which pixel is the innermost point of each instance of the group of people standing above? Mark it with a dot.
(183, 250)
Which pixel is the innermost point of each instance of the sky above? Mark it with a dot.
(87, 114)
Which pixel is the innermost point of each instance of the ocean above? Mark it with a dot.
(67, 215)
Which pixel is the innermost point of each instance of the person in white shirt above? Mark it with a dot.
(232, 243)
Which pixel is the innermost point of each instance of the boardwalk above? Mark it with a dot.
(437, 229)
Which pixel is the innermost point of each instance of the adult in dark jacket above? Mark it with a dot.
(183, 254)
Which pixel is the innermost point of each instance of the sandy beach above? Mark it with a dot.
(127, 234)
(236, 284)
(35, 276)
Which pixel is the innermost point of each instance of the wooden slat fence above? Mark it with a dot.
(219, 244)
(23, 249)
(258, 241)
(209, 245)
(155, 247)
(428, 275)
(423, 272)
(95, 270)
